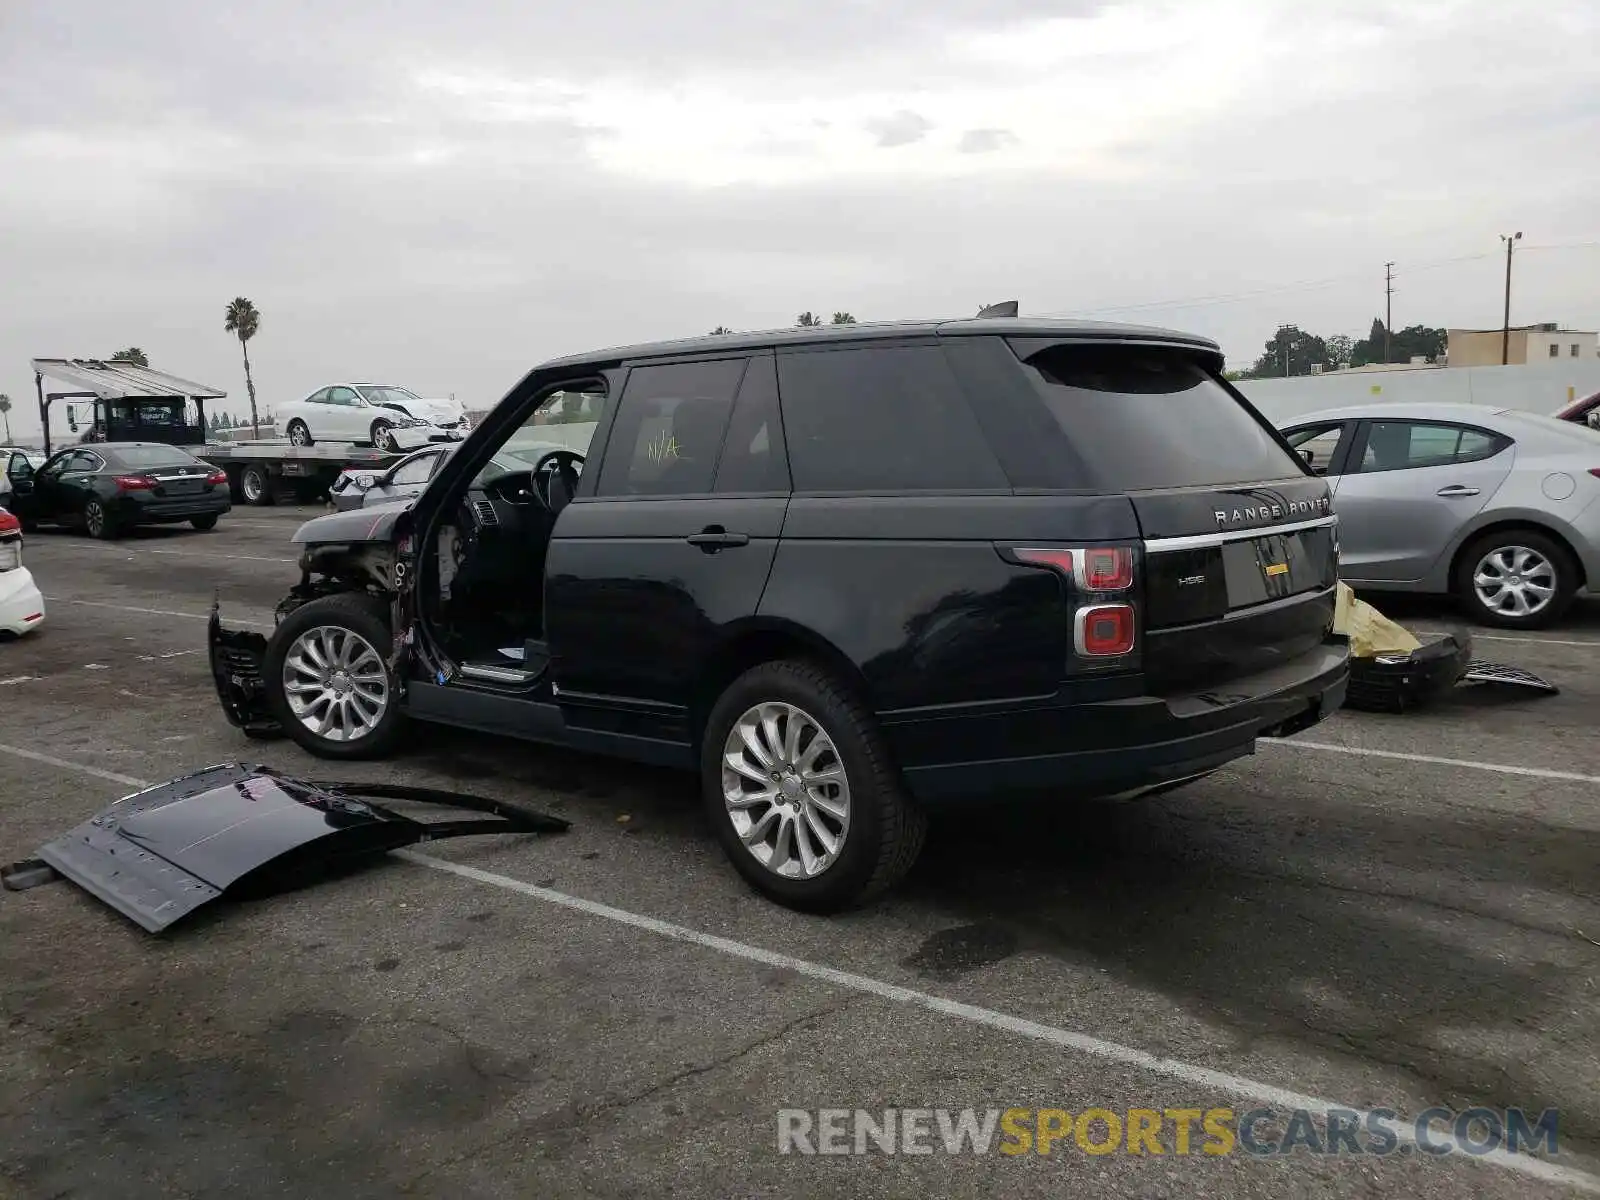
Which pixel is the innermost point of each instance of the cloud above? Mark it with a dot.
(902, 129)
(446, 194)
(985, 141)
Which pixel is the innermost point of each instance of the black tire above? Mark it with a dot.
(99, 523)
(298, 429)
(1561, 564)
(255, 486)
(363, 615)
(886, 829)
(208, 521)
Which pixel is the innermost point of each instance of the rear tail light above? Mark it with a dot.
(1104, 630)
(1595, 471)
(134, 483)
(217, 477)
(1095, 569)
(1104, 626)
(10, 541)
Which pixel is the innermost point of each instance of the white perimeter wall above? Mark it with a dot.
(1536, 387)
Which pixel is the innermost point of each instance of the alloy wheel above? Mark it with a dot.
(785, 790)
(1514, 581)
(94, 518)
(299, 435)
(335, 683)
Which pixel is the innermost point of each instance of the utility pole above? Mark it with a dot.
(1388, 310)
(1505, 328)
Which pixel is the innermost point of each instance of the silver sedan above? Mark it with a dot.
(1497, 507)
(409, 478)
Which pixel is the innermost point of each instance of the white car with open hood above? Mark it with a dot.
(389, 417)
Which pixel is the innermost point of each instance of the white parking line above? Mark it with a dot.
(135, 551)
(154, 612)
(16, 679)
(1052, 1035)
(1470, 763)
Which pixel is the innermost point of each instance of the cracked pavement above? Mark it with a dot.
(1376, 932)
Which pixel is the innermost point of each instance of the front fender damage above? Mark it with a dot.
(327, 569)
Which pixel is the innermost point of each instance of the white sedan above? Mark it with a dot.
(390, 418)
(21, 605)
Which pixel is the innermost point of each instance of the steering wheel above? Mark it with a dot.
(553, 463)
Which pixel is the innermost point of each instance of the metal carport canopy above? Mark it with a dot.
(122, 380)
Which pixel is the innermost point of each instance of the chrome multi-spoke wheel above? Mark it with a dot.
(299, 434)
(335, 683)
(1514, 581)
(785, 790)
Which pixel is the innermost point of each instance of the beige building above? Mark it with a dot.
(1527, 344)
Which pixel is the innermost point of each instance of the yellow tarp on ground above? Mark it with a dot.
(1370, 632)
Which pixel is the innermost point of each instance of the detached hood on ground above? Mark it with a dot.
(242, 830)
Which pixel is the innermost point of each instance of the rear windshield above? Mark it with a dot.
(151, 456)
(1142, 419)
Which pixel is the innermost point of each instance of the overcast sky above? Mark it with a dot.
(442, 194)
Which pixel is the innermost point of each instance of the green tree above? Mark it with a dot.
(720, 329)
(843, 318)
(132, 355)
(1291, 351)
(1404, 344)
(5, 411)
(1340, 347)
(243, 320)
(808, 319)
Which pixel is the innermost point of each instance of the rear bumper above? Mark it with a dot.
(152, 512)
(19, 601)
(1110, 747)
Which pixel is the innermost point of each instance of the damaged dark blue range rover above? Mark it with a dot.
(842, 573)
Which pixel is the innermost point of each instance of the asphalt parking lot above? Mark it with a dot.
(611, 1012)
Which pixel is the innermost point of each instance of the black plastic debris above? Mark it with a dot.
(236, 666)
(1488, 672)
(1403, 682)
(242, 831)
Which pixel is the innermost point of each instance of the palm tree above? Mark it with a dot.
(5, 411)
(132, 355)
(807, 319)
(843, 318)
(243, 320)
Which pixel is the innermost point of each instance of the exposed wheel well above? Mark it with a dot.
(1506, 527)
(751, 649)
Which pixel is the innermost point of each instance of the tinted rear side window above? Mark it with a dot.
(669, 429)
(881, 419)
(1143, 419)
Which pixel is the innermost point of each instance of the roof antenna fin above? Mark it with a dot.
(1007, 309)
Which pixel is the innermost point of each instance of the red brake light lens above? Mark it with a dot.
(1595, 471)
(134, 483)
(9, 522)
(1104, 630)
(1095, 569)
(1107, 569)
(1061, 560)
(217, 477)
